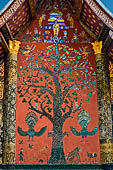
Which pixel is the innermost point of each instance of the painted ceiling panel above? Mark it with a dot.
(21, 17)
(91, 20)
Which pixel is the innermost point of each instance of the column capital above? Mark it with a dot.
(97, 46)
(14, 46)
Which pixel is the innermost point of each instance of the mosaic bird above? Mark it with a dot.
(84, 119)
(31, 120)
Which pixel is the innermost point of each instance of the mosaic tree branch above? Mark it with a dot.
(43, 112)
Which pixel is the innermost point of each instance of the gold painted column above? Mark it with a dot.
(104, 104)
(1, 106)
(10, 103)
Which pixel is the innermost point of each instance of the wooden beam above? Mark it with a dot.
(104, 32)
(32, 8)
(4, 43)
(6, 32)
(87, 30)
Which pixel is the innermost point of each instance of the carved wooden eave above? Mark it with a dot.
(101, 13)
(9, 12)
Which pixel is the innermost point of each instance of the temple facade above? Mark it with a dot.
(56, 84)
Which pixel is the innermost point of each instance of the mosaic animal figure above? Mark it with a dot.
(84, 119)
(28, 49)
(31, 120)
(74, 153)
(91, 156)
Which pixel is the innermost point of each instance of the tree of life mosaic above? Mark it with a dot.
(57, 111)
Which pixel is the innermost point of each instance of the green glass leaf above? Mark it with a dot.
(62, 82)
(49, 102)
(36, 81)
(64, 109)
(50, 83)
(19, 75)
(19, 91)
(66, 101)
(29, 77)
(75, 50)
(24, 101)
(53, 48)
(94, 74)
(26, 69)
(90, 94)
(79, 57)
(74, 93)
(46, 96)
(21, 95)
(68, 95)
(34, 90)
(41, 79)
(94, 87)
(46, 77)
(82, 86)
(49, 109)
(39, 95)
(87, 100)
(36, 100)
(78, 78)
(68, 78)
(65, 49)
(29, 80)
(18, 87)
(76, 98)
(52, 65)
(49, 49)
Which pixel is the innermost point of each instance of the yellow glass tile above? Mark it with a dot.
(23, 6)
(21, 19)
(11, 28)
(18, 29)
(18, 13)
(24, 19)
(89, 11)
(94, 21)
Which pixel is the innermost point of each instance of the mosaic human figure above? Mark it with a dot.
(21, 155)
(65, 37)
(71, 20)
(41, 19)
(56, 29)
